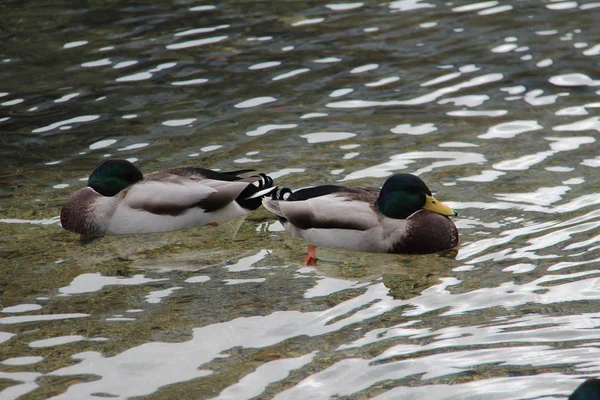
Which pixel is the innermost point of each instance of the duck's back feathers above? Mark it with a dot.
(173, 195)
(327, 207)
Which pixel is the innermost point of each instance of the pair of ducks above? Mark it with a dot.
(401, 217)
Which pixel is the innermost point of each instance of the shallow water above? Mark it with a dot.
(493, 104)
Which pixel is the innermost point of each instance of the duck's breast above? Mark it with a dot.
(427, 232)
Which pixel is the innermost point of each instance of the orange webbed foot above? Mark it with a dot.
(213, 224)
(311, 256)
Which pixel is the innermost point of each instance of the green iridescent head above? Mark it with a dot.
(404, 194)
(113, 176)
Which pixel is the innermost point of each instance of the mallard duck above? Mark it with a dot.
(120, 200)
(401, 217)
(588, 390)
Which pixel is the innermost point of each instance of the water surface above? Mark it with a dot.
(493, 104)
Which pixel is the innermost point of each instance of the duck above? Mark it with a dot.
(402, 217)
(119, 199)
(588, 390)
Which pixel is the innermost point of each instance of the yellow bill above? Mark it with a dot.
(434, 205)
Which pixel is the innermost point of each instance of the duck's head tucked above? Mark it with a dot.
(404, 194)
(112, 176)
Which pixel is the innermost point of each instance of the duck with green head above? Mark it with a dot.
(401, 217)
(120, 200)
(588, 390)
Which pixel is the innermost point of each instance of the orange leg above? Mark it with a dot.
(213, 224)
(311, 256)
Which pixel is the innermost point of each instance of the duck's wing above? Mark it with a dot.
(328, 207)
(170, 194)
(203, 173)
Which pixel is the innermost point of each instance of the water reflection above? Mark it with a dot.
(493, 103)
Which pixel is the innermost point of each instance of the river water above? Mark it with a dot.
(494, 104)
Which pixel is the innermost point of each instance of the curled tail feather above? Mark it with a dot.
(251, 197)
(281, 194)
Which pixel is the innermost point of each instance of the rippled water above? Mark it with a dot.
(494, 104)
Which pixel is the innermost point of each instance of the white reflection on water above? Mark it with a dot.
(408, 5)
(156, 296)
(78, 43)
(83, 118)
(56, 341)
(261, 130)
(203, 8)
(320, 137)
(194, 279)
(102, 144)
(544, 196)
(473, 100)
(511, 129)
(353, 375)
(402, 161)
(4, 336)
(125, 64)
(477, 113)
(27, 385)
(326, 286)
(592, 123)
(344, 6)
(97, 63)
(255, 102)
(495, 10)
(39, 318)
(442, 78)
(21, 308)
(308, 21)
(256, 382)
(383, 81)
(197, 42)
(246, 263)
(414, 130)
(201, 30)
(178, 122)
(341, 92)
(140, 76)
(242, 281)
(189, 82)
(263, 65)
(93, 282)
(48, 221)
(364, 68)
(475, 6)
(22, 360)
(290, 74)
(153, 365)
(556, 145)
(480, 80)
(485, 176)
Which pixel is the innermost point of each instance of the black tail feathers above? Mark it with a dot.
(251, 197)
(281, 194)
(265, 182)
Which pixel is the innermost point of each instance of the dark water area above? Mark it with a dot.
(493, 104)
